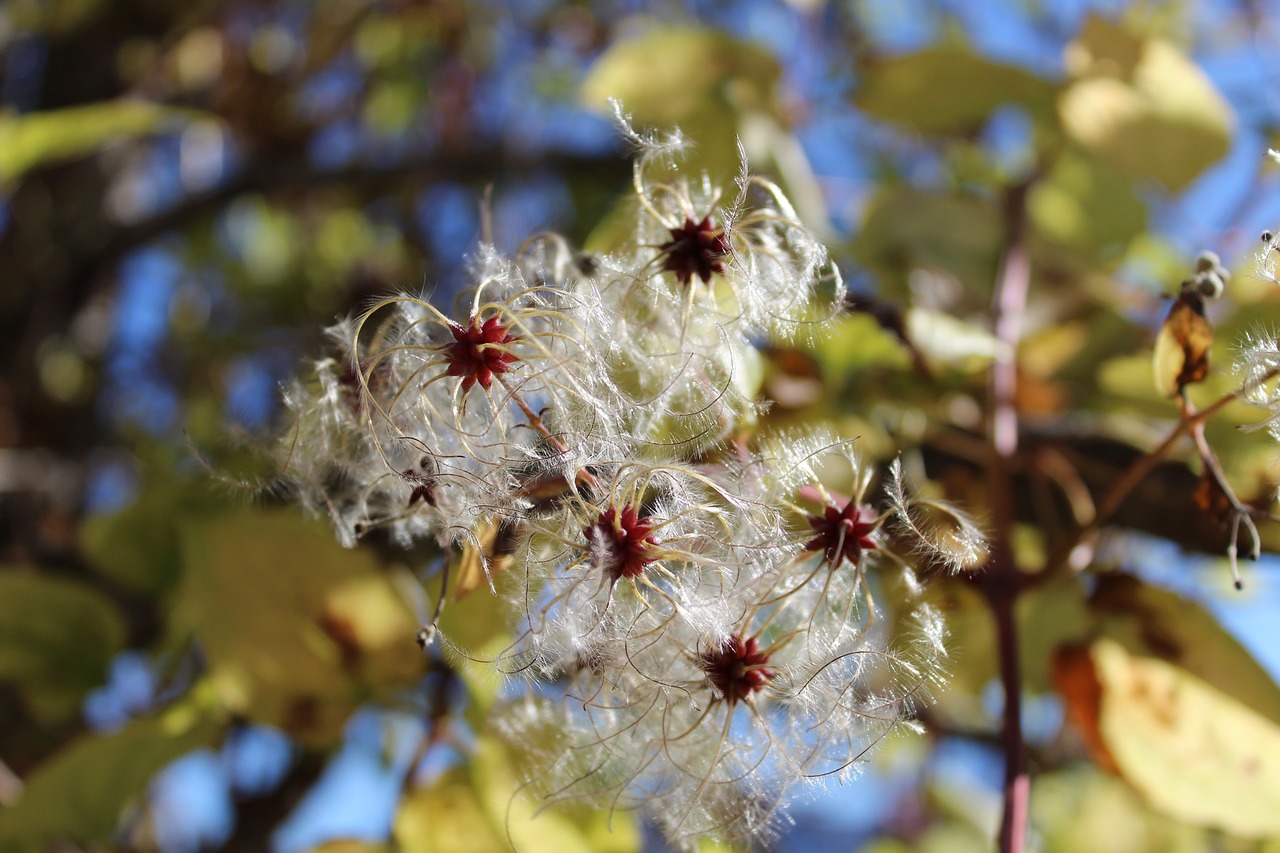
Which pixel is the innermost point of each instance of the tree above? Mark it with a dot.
(193, 195)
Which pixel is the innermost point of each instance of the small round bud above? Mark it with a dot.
(1207, 261)
(1209, 285)
(1267, 236)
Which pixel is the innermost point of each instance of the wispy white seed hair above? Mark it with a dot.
(695, 630)
(1257, 363)
(938, 530)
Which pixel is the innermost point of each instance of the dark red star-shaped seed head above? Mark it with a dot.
(695, 248)
(738, 668)
(622, 542)
(843, 533)
(479, 351)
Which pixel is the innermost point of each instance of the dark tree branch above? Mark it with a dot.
(47, 285)
(257, 817)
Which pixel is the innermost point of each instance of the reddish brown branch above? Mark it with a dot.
(1191, 421)
(1002, 583)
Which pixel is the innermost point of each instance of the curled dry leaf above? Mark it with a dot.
(1181, 355)
(478, 562)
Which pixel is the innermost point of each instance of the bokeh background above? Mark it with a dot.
(190, 192)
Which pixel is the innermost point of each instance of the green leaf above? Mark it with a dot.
(1047, 615)
(948, 836)
(80, 793)
(297, 631)
(31, 140)
(856, 342)
(972, 662)
(906, 230)
(1050, 616)
(1192, 751)
(948, 89)
(1154, 115)
(473, 632)
(60, 18)
(1086, 203)
(710, 845)
(57, 637)
(1079, 810)
(704, 81)
(139, 546)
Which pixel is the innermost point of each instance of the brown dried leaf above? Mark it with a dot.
(1181, 354)
(492, 551)
(1075, 678)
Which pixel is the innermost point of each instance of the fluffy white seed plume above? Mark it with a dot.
(1257, 363)
(695, 630)
(940, 532)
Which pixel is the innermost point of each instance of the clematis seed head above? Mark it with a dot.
(843, 533)
(738, 668)
(622, 541)
(695, 249)
(479, 351)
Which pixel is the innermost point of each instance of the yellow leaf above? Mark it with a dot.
(28, 141)
(948, 340)
(445, 817)
(1155, 622)
(1181, 355)
(1193, 752)
(1143, 106)
(484, 808)
(296, 630)
(535, 828)
(1079, 810)
(350, 845)
(477, 563)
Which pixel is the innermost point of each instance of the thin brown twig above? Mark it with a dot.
(1213, 470)
(536, 422)
(1115, 495)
